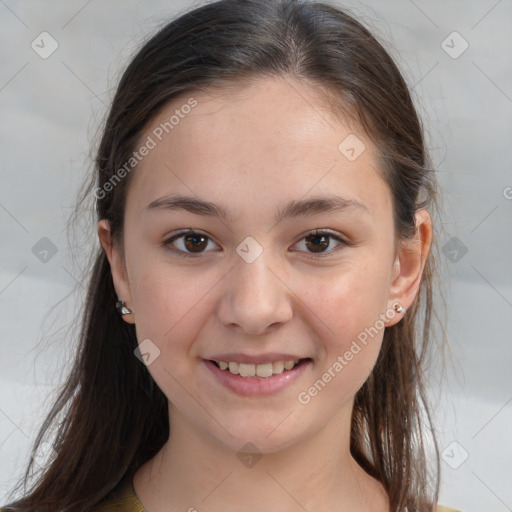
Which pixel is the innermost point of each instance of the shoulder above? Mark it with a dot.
(445, 509)
(121, 499)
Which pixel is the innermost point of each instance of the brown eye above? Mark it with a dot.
(317, 243)
(189, 243)
(195, 243)
(321, 243)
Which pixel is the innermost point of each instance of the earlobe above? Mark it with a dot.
(409, 266)
(122, 309)
(118, 270)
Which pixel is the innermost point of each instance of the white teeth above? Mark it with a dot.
(261, 370)
(264, 370)
(288, 365)
(246, 370)
(278, 367)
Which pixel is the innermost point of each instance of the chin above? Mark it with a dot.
(255, 434)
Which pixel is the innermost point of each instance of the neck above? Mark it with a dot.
(193, 471)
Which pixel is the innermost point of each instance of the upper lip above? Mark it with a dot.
(255, 359)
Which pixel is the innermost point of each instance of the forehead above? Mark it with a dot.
(270, 141)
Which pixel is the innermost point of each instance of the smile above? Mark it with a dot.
(264, 370)
(262, 379)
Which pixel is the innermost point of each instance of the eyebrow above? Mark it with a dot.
(305, 207)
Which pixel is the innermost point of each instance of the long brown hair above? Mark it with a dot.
(110, 417)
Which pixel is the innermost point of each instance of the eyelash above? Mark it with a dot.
(319, 232)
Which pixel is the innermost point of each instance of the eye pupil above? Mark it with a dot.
(318, 239)
(197, 241)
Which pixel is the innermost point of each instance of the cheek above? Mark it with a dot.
(346, 353)
(171, 304)
(348, 310)
(171, 309)
(347, 299)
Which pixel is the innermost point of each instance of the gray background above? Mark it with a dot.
(51, 109)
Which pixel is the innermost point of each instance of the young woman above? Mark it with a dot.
(260, 308)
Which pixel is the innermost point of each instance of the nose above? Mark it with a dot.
(255, 299)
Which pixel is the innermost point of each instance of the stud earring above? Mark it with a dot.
(121, 308)
(399, 308)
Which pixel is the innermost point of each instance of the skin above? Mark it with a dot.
(251, 151)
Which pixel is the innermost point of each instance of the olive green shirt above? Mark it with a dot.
(124, 499)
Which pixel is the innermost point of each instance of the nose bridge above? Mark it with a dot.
(255, 298)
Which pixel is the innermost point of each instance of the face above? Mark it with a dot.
(284, 250)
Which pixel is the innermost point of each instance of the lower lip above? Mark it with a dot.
(257, 386)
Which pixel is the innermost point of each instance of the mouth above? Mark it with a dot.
(260, 378)
(259, 371)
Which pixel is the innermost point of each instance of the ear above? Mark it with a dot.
(409, 265)
(117, 267)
